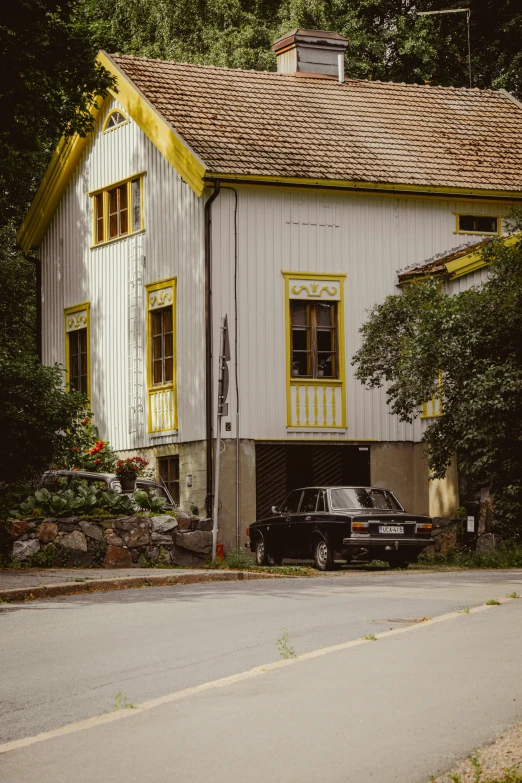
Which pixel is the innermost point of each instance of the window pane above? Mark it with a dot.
(123, 196)
(113, 225)
(309, 500)
(168, 371)
(167, 319)
(99, 217)
(157, 375)
(320, 502)
(157, 352)
(292, 502)
(124, 213)
(325, 340)
(480, 223)
(136, 205)
(326, 365)
(156, 322)
(300, 339)
(299, 313)
(325, 314)
(168, 343)
(113, 201)
(301, 364)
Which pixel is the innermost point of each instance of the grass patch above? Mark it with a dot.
(492, 602)
(508, 555)
(465, 610)
(121, 703)
(369, 637)
(511, 775)
(512, 595)
(244, 561)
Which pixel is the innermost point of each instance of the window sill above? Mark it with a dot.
(163, 434)
(316, 428)
(116, 239)
(478, 233)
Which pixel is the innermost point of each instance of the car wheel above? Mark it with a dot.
(323, 556)
(261, 553)
(398, 561)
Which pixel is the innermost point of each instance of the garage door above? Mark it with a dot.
(282, 467)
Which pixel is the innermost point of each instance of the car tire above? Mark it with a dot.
(398, 561)
(323, 556)
(261, 553)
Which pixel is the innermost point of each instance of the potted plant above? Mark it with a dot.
(128, 471)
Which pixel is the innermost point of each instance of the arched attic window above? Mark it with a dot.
(114, 119)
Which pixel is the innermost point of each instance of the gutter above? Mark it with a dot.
(376, 191)
(208, 341)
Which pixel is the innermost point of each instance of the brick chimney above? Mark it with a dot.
(311, 53)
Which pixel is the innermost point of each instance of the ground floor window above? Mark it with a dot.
(169, 474)
(77, 348)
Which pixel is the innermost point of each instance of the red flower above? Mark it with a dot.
(76, 468)
(97, 461)
(74, 448)
(85, 421)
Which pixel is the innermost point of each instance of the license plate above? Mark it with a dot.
(394, 529)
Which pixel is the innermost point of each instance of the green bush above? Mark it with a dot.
(80, 499)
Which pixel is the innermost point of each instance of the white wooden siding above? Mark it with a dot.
(367, 237)
(170, 246)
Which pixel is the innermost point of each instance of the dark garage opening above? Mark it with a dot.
(282, 467)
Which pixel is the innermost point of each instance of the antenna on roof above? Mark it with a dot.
(466, 11)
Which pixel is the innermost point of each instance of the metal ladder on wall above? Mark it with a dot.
(136, 265)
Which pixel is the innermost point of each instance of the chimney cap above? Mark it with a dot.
(310, 37)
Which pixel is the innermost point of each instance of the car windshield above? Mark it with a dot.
(360, 497)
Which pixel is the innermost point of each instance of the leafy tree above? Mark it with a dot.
(388, 39)
(475, 340)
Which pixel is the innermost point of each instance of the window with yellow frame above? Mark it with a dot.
(115, 119)
(77, 348)
(118, 210)
(483, 225)
(315, 352)
(161, 356)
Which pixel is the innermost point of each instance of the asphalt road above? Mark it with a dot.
(66, 659)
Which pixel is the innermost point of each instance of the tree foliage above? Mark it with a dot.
(388, 39)
(474, 339)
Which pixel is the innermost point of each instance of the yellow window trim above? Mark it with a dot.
(68, 311)
(105, 192)
(473, 261)
(340, 381)
(126, 120)
(497, 233)
(150, 288)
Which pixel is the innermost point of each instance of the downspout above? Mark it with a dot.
(208, 342)
(38, 292)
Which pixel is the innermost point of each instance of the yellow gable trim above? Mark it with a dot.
(69, 150)
(188, 165)
(473, 261)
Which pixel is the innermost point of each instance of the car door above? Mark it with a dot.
(301, 525)
(278, 537)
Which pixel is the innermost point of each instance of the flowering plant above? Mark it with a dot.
(131, 467)
(85, 451)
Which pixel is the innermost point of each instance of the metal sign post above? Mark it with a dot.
(222, 410)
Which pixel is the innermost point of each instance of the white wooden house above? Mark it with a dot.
(287, 201)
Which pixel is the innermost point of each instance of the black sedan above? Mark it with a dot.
(356, 523)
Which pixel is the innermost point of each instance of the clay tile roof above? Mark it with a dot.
(261, 123)
(437, 264)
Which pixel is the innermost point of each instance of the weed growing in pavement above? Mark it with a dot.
(508, 555)
(512, 595)
(369, 637)
(285, 648)
(244, 561)
(511, 775)
(121, 703)
(492, 602)
(464, 610)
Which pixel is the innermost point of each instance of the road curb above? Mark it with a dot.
(14, 594)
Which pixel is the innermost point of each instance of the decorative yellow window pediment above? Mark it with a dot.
(315, 351)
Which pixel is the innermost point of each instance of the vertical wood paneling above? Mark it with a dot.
(369, 238)
(170, 246)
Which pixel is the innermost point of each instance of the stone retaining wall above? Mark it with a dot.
(109, 542)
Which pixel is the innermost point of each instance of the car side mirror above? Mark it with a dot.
(276, 510)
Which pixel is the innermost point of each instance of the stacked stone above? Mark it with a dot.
(112, 542)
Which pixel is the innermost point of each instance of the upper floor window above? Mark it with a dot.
(162, 353)
(478, 224)
(114, 119)
(161, 356)
(314, 347)
(118, 210)
(77, 348)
